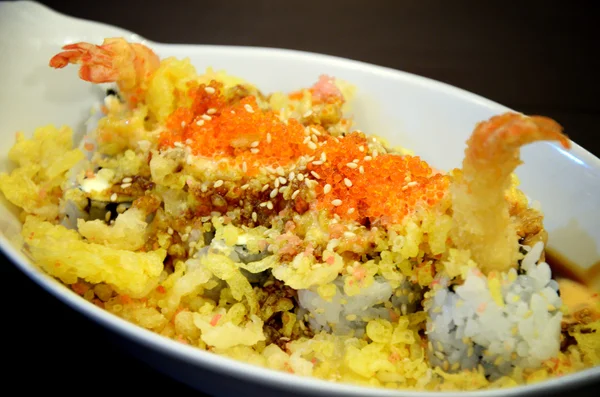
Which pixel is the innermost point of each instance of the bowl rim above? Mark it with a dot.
(238, 369)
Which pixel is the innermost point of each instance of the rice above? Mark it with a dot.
(266, 229)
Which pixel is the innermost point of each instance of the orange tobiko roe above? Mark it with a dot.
(241, 132)
(386, 187)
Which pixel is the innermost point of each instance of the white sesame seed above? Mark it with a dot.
(411, 184)
(269, 205)
(347, 182)
(349, 234)
(361, 148)
(274, 193)
(206, 117)
(315, 131)
(283, 189)
(248, 108)
(183, 124)
(170, 231)
(280, 171)
(351, 165)
(244, 167)
(317, 162)
(127, 180)
(245, 186)
(361, 169)
(336, 202)
(307, 114)
(323, 157)
(262, 204)
(254, 144)
(200, 123)
(311, 145)
(355, 161)
(254, 150)
(254, 216)
(291, 176)
(375, 153)
(268, 137)
(314, 138)
(211, 111)
(315, 175)
(125, 185)
(189, 158)
(276, 182)
(326, 188)
(204, 188)
(306, 140)
(113, 197)
(178, 144)
(368, 158)
(295, 194)
(282, 180)
(350, 210)
(300, 177)
(265, 187)
(209, 90)
(218, 183)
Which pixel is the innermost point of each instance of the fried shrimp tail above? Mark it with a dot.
(482, 223)
(130, 65)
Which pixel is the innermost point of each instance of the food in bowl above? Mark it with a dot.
(265, 228)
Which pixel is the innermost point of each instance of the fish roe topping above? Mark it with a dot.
(388, 187)
(242, 132)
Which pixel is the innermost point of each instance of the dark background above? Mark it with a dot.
(533, 56)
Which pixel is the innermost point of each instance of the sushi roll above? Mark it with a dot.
(501, 321)
(342, 313)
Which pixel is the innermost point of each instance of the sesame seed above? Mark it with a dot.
(170, 231)
(311, 145)
(274, 193)
(245, 186)
(262, 204)
(314, 138)
(211, 111)
(375, 153)
(347, 182)
(283, 189)
(200, 123)
(189, 159)
(178, 144)
(125, 185)
(404, 188)
(248, 108)
(326, 188)
(280, 171)
(265, 187)
(295, 194)
(361, 148)
(113, 197)
(351, 165)
(209, 90)
(276, 182)
(244, 167)
(292, 176)
(411, 184)
(361, 169)
(368, 158)
(218, 183)
(315, 131)
(268, 137)
(323, 157)
(349, 234)
(336, 202)
(204, 188)
(315, 175)
(282, 180)
(317, 162)
(254, 216)
(127, 180)
(107, 216)
(188, 141)
(300, 177)
(254, 144)
(306, 140)
(350, 210)
(269, 205)
(355, 161)
(254, 150)
(307, 114)
(206, 117)
(183, 123)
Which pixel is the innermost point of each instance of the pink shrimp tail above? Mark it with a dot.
(325, 88)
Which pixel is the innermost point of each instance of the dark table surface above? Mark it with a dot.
(534, 56)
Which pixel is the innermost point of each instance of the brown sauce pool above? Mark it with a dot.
(564, 268)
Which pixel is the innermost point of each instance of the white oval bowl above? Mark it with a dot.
(429, 117)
